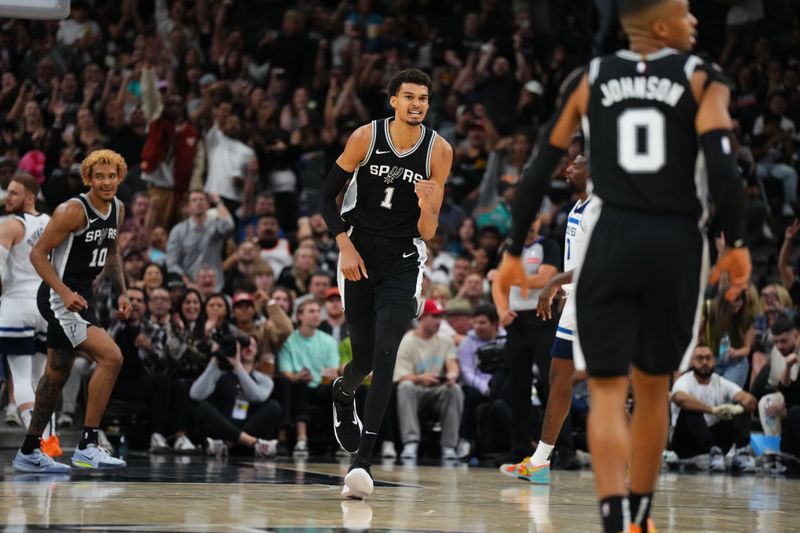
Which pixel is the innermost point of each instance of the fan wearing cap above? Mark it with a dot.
(426, 373)
(335, 323)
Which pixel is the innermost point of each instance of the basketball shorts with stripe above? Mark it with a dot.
(395, 267)
(23, 331)
(66, 330)
(639, 293)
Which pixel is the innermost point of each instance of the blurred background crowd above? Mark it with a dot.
(230, 114)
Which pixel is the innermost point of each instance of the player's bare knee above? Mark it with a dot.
(111, 359)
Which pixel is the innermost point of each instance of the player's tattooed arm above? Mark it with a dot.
(113, 270)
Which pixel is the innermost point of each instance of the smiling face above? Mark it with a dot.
(410, 103)
(104, 181)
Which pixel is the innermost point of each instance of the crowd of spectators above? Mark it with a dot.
(229, 114)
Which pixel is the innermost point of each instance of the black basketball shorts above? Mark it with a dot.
(639, 293)
(395, 267)
(65, 329)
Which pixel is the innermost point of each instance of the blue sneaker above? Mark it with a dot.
(96, 458)
(37, 462)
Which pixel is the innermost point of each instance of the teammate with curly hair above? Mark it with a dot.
(77, 245)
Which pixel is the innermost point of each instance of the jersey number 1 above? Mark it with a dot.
(387, 198)
(641, 146)
(99, 257)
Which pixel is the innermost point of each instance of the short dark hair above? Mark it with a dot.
(630, 7)
(488, 311)
(411, 75)
(783, 324)
(27, 181)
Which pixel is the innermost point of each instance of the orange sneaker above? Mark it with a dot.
(538, 475)
(636, 528)
(52, 446)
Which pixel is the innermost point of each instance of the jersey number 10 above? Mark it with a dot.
(99, 257)
(641, 146)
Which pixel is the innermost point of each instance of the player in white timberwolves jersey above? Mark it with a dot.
(397, 168)
(22, 328)
(580, 222)
(81, 242)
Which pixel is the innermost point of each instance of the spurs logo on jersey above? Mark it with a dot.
(390, 174)
(101, 234)
(380, 199)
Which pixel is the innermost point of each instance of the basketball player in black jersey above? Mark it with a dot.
(397, 169)
(81, 242)
(641, 284)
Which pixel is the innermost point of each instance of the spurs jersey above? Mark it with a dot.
(80, 258)
(580, 221)
(380, 199)
(20, 279)
(647, 154)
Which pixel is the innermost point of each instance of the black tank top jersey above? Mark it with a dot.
(380, 199)
(82, 255)
(642, 136)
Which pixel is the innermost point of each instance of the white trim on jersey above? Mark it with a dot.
(96, 212)
(391, 144)
(633, 56)
(371, 145)
(594, 69)
(85, 214)
(691, 64)
(428, 156)
(422, 257)
(698, 314)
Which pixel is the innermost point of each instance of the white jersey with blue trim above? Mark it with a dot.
(580, 222)
(19, 278)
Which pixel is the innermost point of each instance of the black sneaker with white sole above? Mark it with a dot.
(346, 424)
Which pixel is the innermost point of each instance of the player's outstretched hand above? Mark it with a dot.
(351, 263)
(736, 263)
(124, 310)
(74, 302)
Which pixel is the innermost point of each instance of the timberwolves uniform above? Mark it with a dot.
(580, 222)
(79, 259)
(641, 285)
(22, 328)
(382, 209)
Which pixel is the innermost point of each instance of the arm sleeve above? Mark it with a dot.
(256, 388)
(533, 186)
(331, 187)
(725, 184)
(204, 386)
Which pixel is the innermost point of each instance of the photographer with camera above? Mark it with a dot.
(481, 351)
(235, 405)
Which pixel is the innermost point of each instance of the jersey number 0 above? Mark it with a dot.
(642, 140)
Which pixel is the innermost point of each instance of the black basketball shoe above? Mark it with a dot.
(346, 424)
